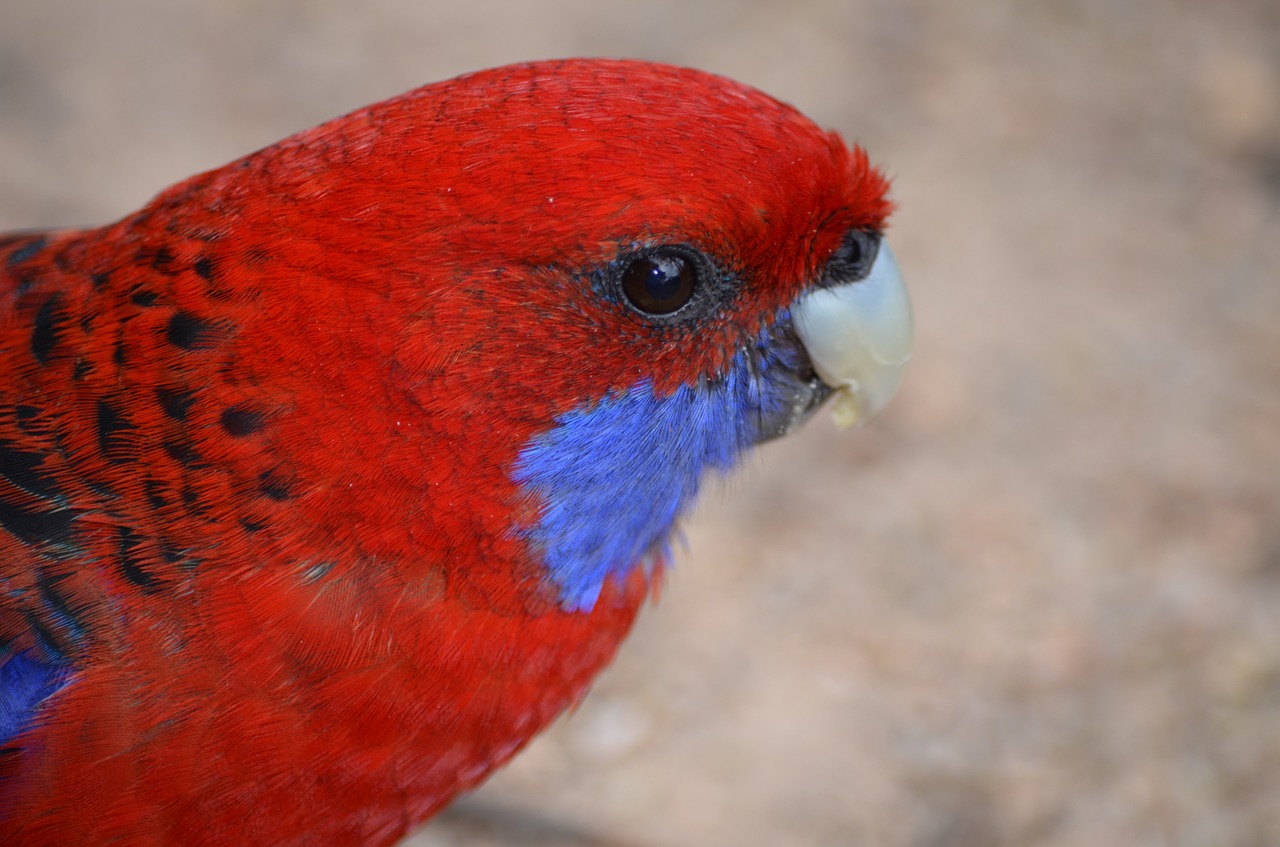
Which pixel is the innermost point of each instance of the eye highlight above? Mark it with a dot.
(661, 281)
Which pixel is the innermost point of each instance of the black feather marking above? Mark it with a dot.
(132, 566)
(22, 468)
(204, 268)
(275, 484)
(27, 251)
(27, 417)
(69, 619)
(175, 555)
(46, 640)
(176, 402)
(155, 494)
(197, 505)
(100, 488)
(161, 259)
(37, 526)
(45, 332)
(192, 333)
(114, 430)
(238, 421)
(183, 453)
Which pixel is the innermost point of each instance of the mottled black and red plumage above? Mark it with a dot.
(333, 475)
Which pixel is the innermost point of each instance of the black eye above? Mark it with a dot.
(853, 258)
(659, 283)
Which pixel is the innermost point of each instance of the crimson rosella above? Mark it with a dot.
(334, 474)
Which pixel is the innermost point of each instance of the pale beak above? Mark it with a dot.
(859, 336)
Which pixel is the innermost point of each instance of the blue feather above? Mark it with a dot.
(613, 476)
(25, 682)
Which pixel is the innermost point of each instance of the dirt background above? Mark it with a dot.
(1038, 602)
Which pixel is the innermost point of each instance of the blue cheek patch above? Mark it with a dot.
(613, 476)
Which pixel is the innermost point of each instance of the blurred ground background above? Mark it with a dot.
(1038, 602)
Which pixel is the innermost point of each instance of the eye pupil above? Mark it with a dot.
(659, 284)
(664, 278)
(853, 252)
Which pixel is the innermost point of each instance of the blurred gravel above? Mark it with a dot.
(1037, 602)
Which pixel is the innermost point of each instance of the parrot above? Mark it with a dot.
(332, 476)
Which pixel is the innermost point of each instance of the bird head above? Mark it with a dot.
(586, 283)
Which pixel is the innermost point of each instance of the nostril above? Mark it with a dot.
(853, 259)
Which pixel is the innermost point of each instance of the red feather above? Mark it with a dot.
(260, 437)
